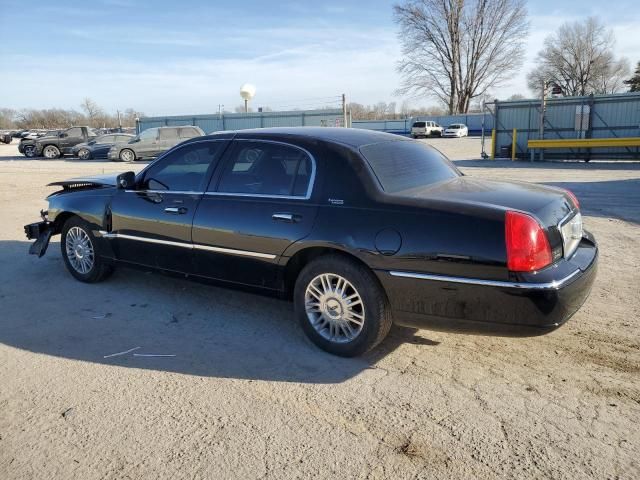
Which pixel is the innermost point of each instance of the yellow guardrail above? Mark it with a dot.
(585, 143)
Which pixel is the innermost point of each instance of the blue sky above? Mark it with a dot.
(188, 56)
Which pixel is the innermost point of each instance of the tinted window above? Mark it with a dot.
(189, 132)
(401, 165)
(184, 169)
(149, 134)
(168, 133)
(261, 168)
(74, 132)
(420, 124)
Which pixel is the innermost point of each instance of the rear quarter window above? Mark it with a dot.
(403, 165)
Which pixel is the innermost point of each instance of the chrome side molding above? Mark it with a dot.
(196, 246)
(555, 285)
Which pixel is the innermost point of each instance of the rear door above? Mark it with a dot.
(103, 145)
(151, 225)
(258, 205)
(168, 139)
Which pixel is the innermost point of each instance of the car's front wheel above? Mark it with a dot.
(341, 306)
(51, 152)
(127, 155)
(81, 253)
(84, 154)
(30, 151)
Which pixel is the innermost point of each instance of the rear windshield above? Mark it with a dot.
(402, 165)
(420, 124)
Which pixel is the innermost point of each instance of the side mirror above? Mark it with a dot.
(126, 180)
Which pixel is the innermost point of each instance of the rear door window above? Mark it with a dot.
(403, 165)
(264, 168)
(188, 132)
(168, 133)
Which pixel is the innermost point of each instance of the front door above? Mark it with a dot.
(258, 206)
(151, 224)
(147, 143)
(73, 136)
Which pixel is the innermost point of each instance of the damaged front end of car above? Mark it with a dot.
(41, 232)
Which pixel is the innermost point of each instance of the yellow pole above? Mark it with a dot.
(514, 139)
(493, 144)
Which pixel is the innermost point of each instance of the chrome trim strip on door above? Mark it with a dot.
(555, 285)
(196, 246)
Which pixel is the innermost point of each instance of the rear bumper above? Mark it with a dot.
(527, 307)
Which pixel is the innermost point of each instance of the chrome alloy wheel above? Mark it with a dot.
(334, 308)
(127, 155)
(79, 250)
(51, 152)
(84, 154)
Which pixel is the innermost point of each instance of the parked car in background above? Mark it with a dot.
(5, 137)
(456, 130)
(54, 146)
(27, 145)
(425, 129)
(359, 228)
(99, 147)
(152, 142)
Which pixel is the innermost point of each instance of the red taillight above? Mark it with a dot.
(573, 197)
(527, 246)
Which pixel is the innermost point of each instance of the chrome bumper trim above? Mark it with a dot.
(555, 285)
(196, 246)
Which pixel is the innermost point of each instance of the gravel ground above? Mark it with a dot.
(247, 396)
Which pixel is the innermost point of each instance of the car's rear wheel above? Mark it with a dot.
(127, 155)
(81, 253)
(341, 306)
(30, 151)
(84, 154)
(51, 152)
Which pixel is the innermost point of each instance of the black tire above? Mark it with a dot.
(30, 151)
(84, 154)
(127, 157)
(377, 312)
(99, 269)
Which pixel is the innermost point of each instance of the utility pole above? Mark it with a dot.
(119, 122)
(543, 108)
(344, 110)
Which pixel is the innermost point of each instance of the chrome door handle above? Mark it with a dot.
(285, 217)
(176, 210)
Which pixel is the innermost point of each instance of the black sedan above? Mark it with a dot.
(360, 229)
(99, 147)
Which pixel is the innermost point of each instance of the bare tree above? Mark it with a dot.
(95, 114)
(455, 50)
(579, 58)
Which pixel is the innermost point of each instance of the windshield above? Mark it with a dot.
(402, 165)
(454, 127)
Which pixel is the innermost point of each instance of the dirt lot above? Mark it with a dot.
(247, 396)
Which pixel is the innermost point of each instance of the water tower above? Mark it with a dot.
(247, 92)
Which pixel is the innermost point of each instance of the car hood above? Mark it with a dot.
(107, 180)
(548, 204)
(47, 138)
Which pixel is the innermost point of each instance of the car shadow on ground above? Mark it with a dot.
(212, 331)
(608, 199)
(69, 159)
(561, 165)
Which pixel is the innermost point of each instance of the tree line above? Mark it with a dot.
(90, 114)
(455, 51)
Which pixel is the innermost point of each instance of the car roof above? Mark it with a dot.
(353, 137)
